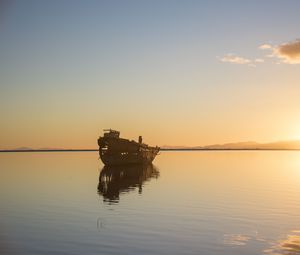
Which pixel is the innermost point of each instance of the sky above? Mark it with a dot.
(177, 72)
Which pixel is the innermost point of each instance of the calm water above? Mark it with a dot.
(244, 202)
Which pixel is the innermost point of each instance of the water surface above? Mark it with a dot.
(196, 202)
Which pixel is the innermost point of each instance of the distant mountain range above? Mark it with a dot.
(20, 149)
(31, 149)
(280, 145)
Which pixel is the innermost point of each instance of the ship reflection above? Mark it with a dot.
(115, 180)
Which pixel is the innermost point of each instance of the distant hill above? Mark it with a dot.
(280, 145)
(49, 148)
(23, 149)
(31, 149)
(27, 149)
(175, 147)
(239, 145)
(288, 145)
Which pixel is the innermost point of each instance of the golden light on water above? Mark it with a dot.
(290, 245)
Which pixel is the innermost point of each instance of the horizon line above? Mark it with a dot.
(162, 149)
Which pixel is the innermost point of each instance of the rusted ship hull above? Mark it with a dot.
(126, 159)
(118, 151)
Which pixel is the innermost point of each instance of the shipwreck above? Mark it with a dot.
(114, 150)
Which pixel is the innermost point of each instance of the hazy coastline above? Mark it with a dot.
(281, 145)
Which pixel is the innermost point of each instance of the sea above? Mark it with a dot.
(187, 202)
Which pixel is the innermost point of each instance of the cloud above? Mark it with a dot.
(259, 60)
(231, 58)
(285, 53)
(265, 46)
(234, 59)
(288, 52)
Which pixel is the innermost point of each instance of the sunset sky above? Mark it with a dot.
(177, 72)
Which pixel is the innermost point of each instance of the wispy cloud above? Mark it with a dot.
(259, 60)
(265, 46)
(234, 59)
